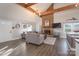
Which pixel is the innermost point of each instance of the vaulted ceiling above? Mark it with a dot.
(42, 9)
(35, 7)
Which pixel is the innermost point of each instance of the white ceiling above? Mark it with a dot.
(41, 7)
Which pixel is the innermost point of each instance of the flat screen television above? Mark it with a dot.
(56, 25)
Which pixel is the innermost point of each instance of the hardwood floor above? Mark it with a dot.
(20, 48)
(33, 50)
(61, 47)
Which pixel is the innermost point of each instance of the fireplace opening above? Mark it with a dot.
(47, 32)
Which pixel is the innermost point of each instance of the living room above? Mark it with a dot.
(37, 27)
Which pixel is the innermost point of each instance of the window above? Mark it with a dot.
(26, 28)
(29, 28)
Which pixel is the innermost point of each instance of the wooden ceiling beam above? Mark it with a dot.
(27, 6)
(65, 8)
(58, 9)
(50, 7)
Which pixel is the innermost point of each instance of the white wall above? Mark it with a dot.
(38, 24)
(16, 13)
(6, 31)
(12, 14)
(5, 28)
(63, 16)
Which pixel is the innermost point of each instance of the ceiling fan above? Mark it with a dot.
(73, 18)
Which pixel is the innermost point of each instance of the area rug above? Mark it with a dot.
(50, 41)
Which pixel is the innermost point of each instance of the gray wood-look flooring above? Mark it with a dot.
(21, 48)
